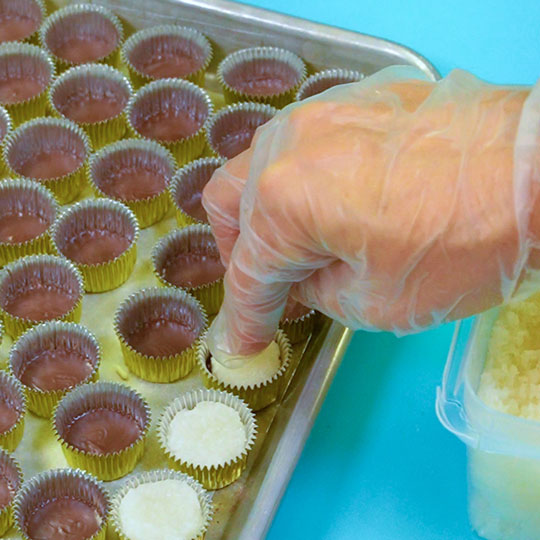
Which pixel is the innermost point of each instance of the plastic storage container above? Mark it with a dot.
(503, 450)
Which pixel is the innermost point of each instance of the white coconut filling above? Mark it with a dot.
(259, 368)
(161, 510)
(209, 434)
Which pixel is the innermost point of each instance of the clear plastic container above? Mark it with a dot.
(503, 450)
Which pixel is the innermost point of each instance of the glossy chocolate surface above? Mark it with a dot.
(162, 337)
(40, 303)
(95, 246)
(103, 431)
(63, 518)
(193, 269)
(56, 369)
(16, 228)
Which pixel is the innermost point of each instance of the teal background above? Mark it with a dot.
(378, 465)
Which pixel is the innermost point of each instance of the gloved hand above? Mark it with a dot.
(394, 204)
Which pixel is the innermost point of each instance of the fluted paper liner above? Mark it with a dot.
(6, 125)
(190, 180)
(299, 328)
(157, 476)
(11, 471)
(102, 395)
(168, 96)
(44, 135)
(53, 335)
(18, 60)
(148, 305)
(323, 80)
(250, 64)
(12, 391)
(221, 474)
(236, 118)
(75, 20)
(42, 270)
(98, 81)
(144, 45)
(33, 10)
(61, 483)
(101, 215)
(133, 154)
(256, 396)
(192, 239)
(25, 197)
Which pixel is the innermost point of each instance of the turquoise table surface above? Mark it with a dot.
(378, 465)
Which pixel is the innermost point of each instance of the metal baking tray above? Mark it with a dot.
(243, 511)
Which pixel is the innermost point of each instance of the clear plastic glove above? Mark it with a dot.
(391, 204)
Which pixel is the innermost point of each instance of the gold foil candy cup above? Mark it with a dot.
(112, 172)
(57, 277)
(97, 396)
(159, 476)
(195, 240)
(12, 394)
(20, 20)
(24, 66)
(51, 337)
(257, 396)
(52, 151)
(24, 199)
(81, 34)
(10, 472)
(219, 475)
(172, 112)
(57, 484)
(167, 51)
(323, 80)
(153, 307)
(230, 131)
(263, 74)
(299, 328)
(93, 96)
(186, 190)
(91, 220)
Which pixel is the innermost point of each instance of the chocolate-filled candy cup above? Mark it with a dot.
(26, 72)
(137, 173)
(12, 411)
(52, 151)
(102, 428)
(20, 20)
(167, 51)
(82, 33)
(62, 504)
(172, 112)
(39, 288)
(159, 330)
(100, 237)
(230, 131)
(93, 96)
(323, 80)
(263, 74)
(50, 360)
(186, 190)
(11, 479)
(189, 259)
(27, 213)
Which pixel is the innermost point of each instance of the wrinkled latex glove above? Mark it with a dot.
(391, 204)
